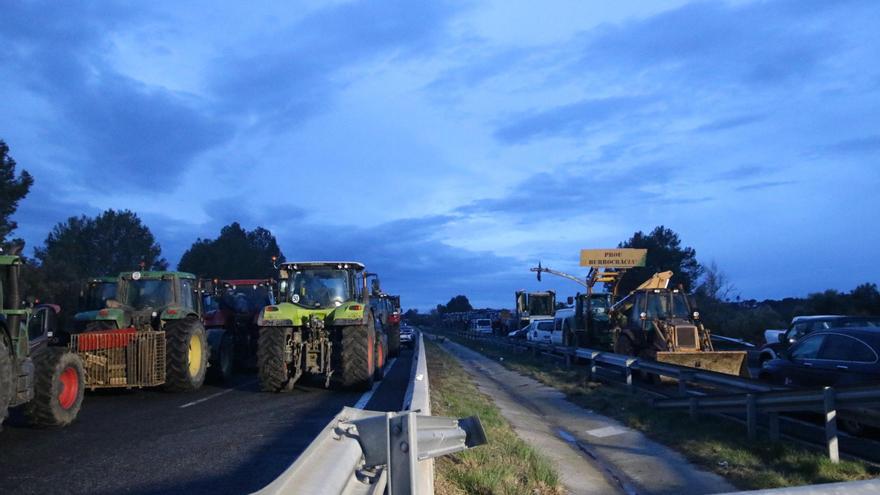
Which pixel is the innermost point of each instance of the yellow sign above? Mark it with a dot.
(613, 258)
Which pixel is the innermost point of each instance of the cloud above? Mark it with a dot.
(118, 132)
(292, 74)
(757, 186)
(568, 120)
(858, 146)
(729, 123)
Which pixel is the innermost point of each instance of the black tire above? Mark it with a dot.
(58, 387)
(353, 356)
(624, 345)
(5, 378)
(381, 356)
(394, 341)
(180, 374)
(272, 367)
(223, 364)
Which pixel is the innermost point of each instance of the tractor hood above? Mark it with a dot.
(289, 314)
(116, 315)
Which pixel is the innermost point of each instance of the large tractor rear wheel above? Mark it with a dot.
(186, 354)
(223, 364)
(394, 341)
(5, 378)
(58, 387)
(272, 362)
(354, 357)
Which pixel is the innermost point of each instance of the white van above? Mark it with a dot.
(540, 331)
(560, 319)
(481, 325)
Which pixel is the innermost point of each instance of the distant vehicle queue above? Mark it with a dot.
(656, 322)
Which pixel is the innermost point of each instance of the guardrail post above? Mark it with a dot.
(831, 425)
(683, 379)
(773, 420)
(751, 416)
(629, 375)
(567, 359)
(593, 370)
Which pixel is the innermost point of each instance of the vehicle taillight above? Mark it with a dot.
(355, 307)
(271, 308)
(103, 312)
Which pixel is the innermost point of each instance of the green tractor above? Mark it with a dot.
(151, 334)
(47, 380)
(323, 326)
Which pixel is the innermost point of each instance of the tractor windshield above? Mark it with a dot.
(149, 293)
(540, 305)
(320, 288)
(97, 295)
(662, 305)
(246, 298)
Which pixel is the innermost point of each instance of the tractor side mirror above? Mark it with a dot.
(570, 300)
(374, 285)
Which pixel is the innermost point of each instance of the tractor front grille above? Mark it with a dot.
(686, 338)
(121, 358)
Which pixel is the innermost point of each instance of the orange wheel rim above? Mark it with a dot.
(69, 387)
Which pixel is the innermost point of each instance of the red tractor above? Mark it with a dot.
(231, 311)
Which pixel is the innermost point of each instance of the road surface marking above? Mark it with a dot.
(214, 396)
(608, 431)
(369, 394)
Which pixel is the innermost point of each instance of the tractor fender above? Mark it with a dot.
(766, 355)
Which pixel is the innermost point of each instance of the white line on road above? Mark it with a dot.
(369, 394)
(218, 394)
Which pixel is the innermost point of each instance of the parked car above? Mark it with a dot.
(540, 331)
(842, 356)
(518, 334)
(480, 325)
(836, 357)
(805, 325)
(406, 335)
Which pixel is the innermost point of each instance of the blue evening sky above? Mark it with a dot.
(451, 146)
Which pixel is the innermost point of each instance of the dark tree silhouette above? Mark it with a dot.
(236, 253)
(664, 253)
(12, 190)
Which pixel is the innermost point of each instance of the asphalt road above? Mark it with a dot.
(220, 439)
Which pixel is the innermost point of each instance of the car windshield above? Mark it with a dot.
(97, 295)
(545, 325)
(149, 293)
(320, 288)
(484, 323)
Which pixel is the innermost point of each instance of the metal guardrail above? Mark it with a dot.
(367, 452)
(753, 396)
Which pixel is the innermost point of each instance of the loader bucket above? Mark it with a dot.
(727, 362)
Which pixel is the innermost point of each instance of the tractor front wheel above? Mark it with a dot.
(272, 361)
(354, 357)
(186, 355)
(6, 383)
(58, 387)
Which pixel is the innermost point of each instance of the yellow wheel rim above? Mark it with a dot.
(195, 355)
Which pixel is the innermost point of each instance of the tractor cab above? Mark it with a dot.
(96, 292)
(146, 299)
(317, 285)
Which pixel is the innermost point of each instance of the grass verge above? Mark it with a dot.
(506, 465)
(712, 443)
